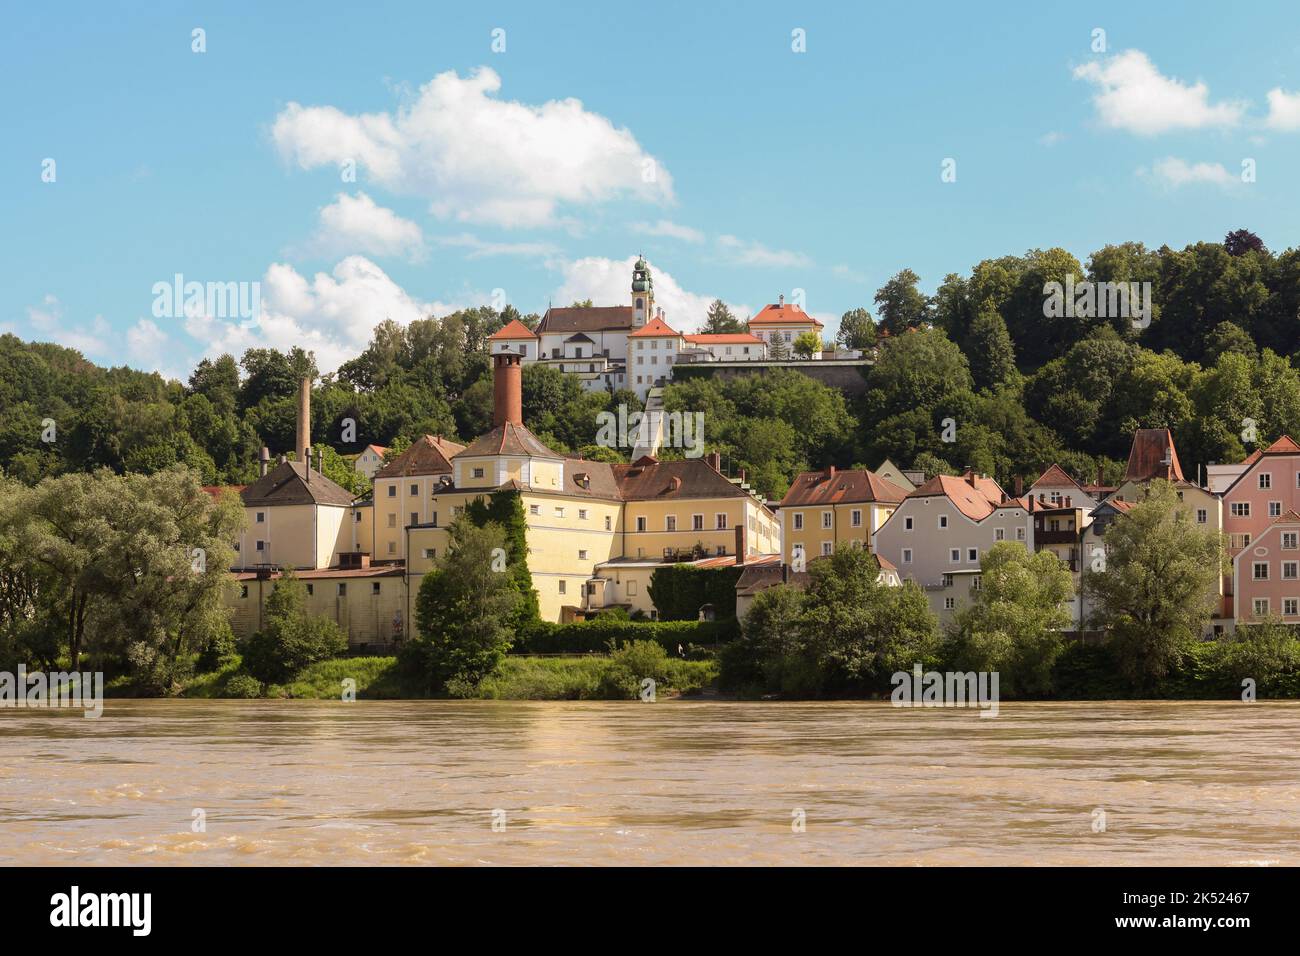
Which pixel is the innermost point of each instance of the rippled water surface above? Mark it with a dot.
(675, 782)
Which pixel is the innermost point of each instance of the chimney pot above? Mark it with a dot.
(780, 301)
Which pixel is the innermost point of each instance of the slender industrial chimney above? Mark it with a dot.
(303, 447)
(507, 389)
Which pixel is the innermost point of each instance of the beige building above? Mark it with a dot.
(404, 491)
(825, 509)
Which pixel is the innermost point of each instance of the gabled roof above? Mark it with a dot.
(429, 455)
(723, 338)
(787, 314)
(598, 319)
(974, 496)
(287, 484)
(514, 329)
(650, 480)
(1283, 446)
(508, 439)
(579, 337)
(832, 487)
(373, 447)
(1056, 477)
(1147, 457)
(655, 328)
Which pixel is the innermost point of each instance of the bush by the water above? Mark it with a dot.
(244, 686)
(290, 639)
(601, 633)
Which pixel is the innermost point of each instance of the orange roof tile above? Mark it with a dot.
(1055, 477)
(787, 314)
(1146, 459)
(514, 329)
(725, 338)
(655, 328)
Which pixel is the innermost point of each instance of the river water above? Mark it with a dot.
(673, 782)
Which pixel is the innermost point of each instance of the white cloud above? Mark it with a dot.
(477, 158)
(1133, 95)
(848, 272)
(1051, 138)
(670, 230)
(1283, 110)
(609, 282)
(1173, 173)
(331, 314)
(47, 324)
(356, 224)
(482, 248)
(741, 252)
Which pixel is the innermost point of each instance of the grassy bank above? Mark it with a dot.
(586, 677)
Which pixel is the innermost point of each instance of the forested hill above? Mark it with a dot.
(981, 362)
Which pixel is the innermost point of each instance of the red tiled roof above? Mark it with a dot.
(841, 487)
(786, 314)
(655, 328)
(1146, 459)
(428, 456)
(514, 329)
(509, 439)
(582, 319)
(975, 497)
(1055, 477)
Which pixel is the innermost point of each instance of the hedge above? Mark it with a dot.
(596, 635)
(680, 590)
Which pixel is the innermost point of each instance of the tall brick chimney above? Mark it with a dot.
(304, 422)
(507, 389)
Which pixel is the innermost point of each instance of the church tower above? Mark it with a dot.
(643, 293)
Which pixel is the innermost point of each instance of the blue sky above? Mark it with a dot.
(742, 169)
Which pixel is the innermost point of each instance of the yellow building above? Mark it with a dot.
(824, 509)
(595, 531)
(295, 517)
(403, 494)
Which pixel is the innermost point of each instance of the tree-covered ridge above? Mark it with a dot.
(977, 374)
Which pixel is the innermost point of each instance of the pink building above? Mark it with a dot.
(1266, 574)
(1266, 489)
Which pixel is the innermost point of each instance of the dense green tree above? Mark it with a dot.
(720, 321)
(857, 330)
(901, 305)
(991, 354)
(290, 639)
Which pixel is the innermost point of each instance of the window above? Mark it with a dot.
(478, 472)
(356, 516)
(907, 524)
(609, 525)
(972, 554)
(1202, 516)
(977, 583)
(1289, 540)
(392, 520)
(828, 519)
(430, 553)
(415, 517)
(243, 590)
(582, 514)
(1265, 481)
(631, 588)
(907, 555)
(1275, 509)
(1289, 569)
(564, 587)
(392, 547)
(855, 518)
(798, 521)
(697, 522)
(261, 545)
(1261, 607)
(943, 522)
(415, 491)
(343, 589)
(827, 548)
(261, 517)
(947, 580)
(670, 523)
(999, 534)
(392, 491)
(582, 555)
(374, 587)
(1290, 606)
(1241, 509)
(559, 512)
(534, 509)
(954, 555)
(1261, 570)
(1020, 534)
(640, 523)
(720, 522)
(949, 603)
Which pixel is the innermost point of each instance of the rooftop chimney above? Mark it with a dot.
(780, 301)
(830, 472)
(507, 389)
(304, 422)
(715, 461)
(263, 460)
(1020, 486)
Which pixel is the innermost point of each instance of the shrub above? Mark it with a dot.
(290, 639)
(218, 651)
(244, 686)
(601, 633)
